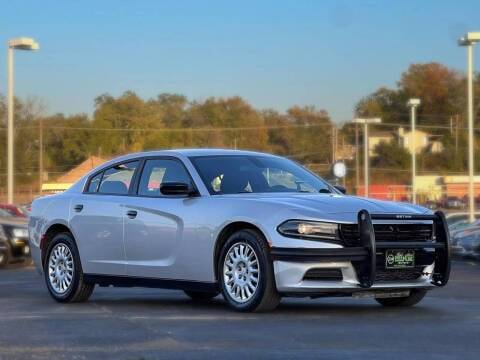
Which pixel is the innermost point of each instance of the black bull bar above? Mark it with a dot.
(366, 269)
(364, 257)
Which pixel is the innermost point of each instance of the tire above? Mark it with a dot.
(58, 252)
(414, 298)
(201, 295)
(4, 259)
(241, 273)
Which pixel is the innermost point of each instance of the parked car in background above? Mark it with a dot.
(467, 243)
(14, 245)
(456, 217)
(430, 204)
(252, 226)
(463, 226)
(454, 202)
(13, 210)
(26, 209)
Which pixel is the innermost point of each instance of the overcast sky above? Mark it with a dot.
(273, 53)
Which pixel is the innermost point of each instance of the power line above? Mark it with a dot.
(207, 129)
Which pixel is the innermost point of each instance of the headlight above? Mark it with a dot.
(20, 233)
(309, 229)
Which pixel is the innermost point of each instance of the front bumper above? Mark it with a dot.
(362, 267)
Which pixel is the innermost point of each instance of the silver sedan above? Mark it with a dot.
(252, 226)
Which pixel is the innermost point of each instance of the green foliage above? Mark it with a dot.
(129, 123)
(391, 155)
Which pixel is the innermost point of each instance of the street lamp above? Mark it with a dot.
(14, 44)
(469, 40)
(365, 123)
(413, 104)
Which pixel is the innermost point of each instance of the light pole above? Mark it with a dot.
(365, 123)
(413, 103)
(468, 41)
(14, 44)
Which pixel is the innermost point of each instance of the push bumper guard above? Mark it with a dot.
(364, 257)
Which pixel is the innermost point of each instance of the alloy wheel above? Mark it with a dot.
(60, 268)
(241, 272)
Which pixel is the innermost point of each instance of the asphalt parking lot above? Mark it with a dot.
(156, 324)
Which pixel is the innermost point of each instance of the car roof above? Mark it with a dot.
(201, 152)
(185, 153)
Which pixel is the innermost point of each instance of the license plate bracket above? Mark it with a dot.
(399, 259)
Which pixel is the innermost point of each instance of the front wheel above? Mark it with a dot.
(414, 298)
(63, 271)
(246, 273)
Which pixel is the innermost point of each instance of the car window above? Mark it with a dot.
(117, 179)
(160, 171)
(94, 183)
(255, 174)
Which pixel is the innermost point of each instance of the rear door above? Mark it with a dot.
(97, 220)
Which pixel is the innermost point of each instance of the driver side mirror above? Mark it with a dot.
(340, 188)
(176, 188)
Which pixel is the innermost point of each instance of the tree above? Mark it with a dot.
(391, 155)
(440, 89)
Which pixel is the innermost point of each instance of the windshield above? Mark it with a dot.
(235, 174)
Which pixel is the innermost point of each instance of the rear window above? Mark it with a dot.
(115, 180)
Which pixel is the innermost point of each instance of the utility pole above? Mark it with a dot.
(10, 131)
(469, 40)
(365, 123)
(333, 143)
(413, 104)
(357, 159)
(14, 44)
(456, 134)
(40, 154)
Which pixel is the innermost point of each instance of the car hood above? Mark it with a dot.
(333, 203)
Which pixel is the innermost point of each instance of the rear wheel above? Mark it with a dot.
(246, 273)
(200, 295)
(414, 298)
(63, 271)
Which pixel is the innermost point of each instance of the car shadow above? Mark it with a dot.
(181, 304)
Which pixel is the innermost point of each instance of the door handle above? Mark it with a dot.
(78, 207)
(132, 214)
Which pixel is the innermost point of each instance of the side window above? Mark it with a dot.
(94, 183)
(159, 171)
(117, 179)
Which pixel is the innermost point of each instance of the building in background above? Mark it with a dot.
(71, 177)
(378, 137)
(423, 141)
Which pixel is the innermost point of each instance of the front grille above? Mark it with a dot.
(324, 275)
(349, 234)
(397, 275)
(403, 232)
(388, 232)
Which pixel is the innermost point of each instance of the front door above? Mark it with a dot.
(159, 229)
